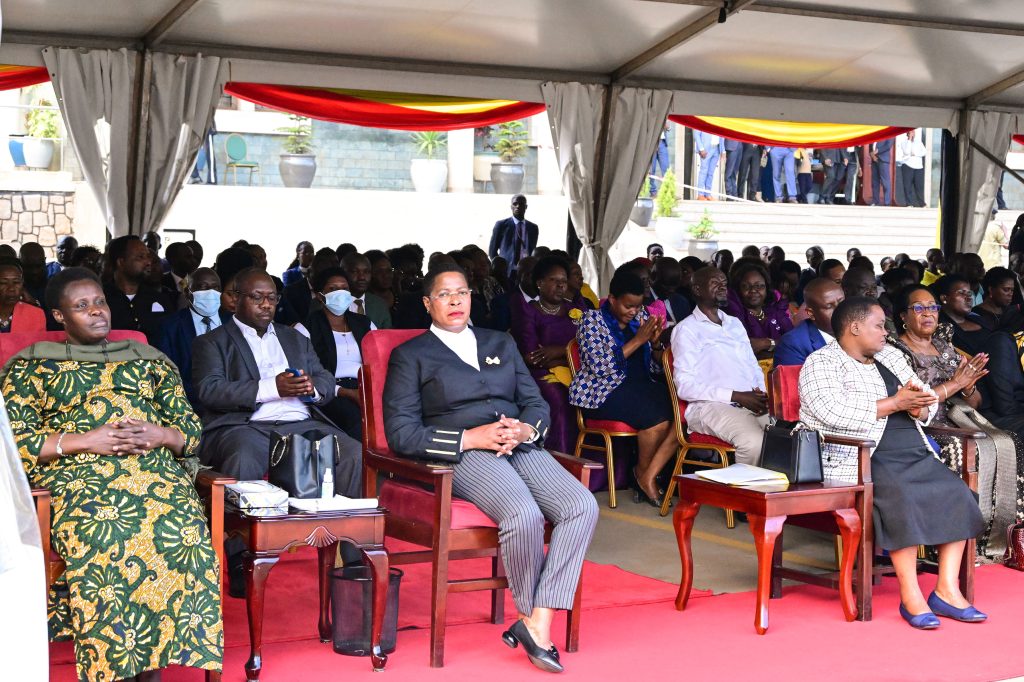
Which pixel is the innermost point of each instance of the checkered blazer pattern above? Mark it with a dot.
(838, 395)
(602, 364)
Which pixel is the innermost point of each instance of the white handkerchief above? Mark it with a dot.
(493, 361)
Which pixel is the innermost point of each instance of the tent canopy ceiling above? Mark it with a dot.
(872, 54)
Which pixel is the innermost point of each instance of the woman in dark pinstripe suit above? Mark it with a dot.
(464, 396)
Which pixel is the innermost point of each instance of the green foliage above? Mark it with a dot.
(43, 123)
(645, 191)
(666, 201)
(511, 144)
(429, 142)
(300, 135)
(703, 228)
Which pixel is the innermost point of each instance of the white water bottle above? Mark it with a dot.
(327, 492)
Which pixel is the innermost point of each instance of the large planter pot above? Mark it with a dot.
(702, 248)
(38, 153)
(508, 178)
(642, 211)
(429, 175)
(671, 232)
(482, 166)
(297, 170)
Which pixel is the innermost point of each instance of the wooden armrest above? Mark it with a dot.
(833, 439)
(575, 464)
(40, 493)
(206, 479)
(954, 432)
(406, 468)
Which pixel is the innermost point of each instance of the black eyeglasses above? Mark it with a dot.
(258, 299)
(918, 308)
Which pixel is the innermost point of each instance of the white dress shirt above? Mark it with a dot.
(197, 320)
(271, 361)
(710, 361)
(911, 152)
(461, 343)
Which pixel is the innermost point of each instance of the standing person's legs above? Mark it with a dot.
(732, 171)
(659, 164)
(735, 425)
(885, 175)
(876, 182)
(804, 184)
(789, 167)
(828, 185)
(908, 185)
(919, 187)
(850, 190)
(776, 155)
(899, 196)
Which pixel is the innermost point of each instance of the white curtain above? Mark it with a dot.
(183, 98)
(636, 120)
(980, 177)
(23, 636)
(94, 92)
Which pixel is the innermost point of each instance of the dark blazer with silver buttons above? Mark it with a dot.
(431, 396)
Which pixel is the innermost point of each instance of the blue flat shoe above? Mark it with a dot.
(922, 621)
(942, 608)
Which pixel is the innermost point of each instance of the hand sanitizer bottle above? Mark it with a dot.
(327, 491)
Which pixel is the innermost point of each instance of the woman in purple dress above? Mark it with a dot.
(762, 310)
(543, 333)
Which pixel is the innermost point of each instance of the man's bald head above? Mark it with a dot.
(859, 282)
(822, 295)
(251, 277)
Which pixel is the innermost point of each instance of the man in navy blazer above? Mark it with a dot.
(514, 238)
(180, 329)
(822, 296)
(881, 172)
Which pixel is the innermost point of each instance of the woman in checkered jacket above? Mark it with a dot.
(858, 386)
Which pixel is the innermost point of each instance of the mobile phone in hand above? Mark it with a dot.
(296, 373)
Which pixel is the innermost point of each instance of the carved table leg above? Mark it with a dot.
(849, 524)
(682, 519)
(377, 558)
(257, 568)
(326, 556)
(765, 531)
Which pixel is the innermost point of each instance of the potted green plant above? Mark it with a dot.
(484, 157)
(298, 162)
(509, 174)
(643, 208)
(671, 229)
(43, 128)
(702, 242)
(429, 174)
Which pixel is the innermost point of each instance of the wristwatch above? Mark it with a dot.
(771, 345)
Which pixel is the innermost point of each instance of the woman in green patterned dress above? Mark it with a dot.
(102, 425)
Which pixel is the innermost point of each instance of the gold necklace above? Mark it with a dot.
(550, 311)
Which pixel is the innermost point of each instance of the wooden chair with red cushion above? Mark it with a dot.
(210, 484)
(784, 405)
(605, 429)
(422, 510)
(691, 440)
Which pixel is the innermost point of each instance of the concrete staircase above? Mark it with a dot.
(877, 231)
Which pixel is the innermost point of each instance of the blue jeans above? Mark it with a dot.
(708, 165)
(659, 164)
(783, 163)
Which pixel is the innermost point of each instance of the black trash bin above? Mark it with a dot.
(352, 607)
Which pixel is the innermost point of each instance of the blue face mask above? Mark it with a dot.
(206, 303)
(338, 301)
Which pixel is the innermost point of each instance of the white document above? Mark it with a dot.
(337, 503)
(742, 475)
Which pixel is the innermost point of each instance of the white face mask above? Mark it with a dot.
(338, 301)
(206, 303)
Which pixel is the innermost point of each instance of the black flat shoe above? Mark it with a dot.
(545, 659)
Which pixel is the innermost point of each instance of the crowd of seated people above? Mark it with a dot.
(232, 331)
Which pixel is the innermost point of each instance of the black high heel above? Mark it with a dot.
(545, 659)
(640, 496)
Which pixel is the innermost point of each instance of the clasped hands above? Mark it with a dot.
(290, 386)
(127, 437)
(501, 436)
(912, 398)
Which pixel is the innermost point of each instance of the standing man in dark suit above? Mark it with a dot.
(733, 156)
(514, 238)
(831, 163)
(822, 296)
(180, 329)
(850, 170)
(240, 378)
(881, 173)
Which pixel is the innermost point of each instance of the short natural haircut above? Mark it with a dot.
(548, 264)
(624, 282)
(828, 264)
(901, 302)
(59, 283)
(851, 310)
(438, 270)
(996, 276)
(944, 285)
(817, 287)
(322, 277)
(702, 276)
(246, 277)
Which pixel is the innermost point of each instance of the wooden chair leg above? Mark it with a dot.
(967, 570)
(497, 595)
(671, 489)
(776, 588)
(838, 548)
(610, 456)
(572, 620)
(212, 676)
(438, 616)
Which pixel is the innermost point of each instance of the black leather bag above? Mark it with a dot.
(298, 461)
(795, 452)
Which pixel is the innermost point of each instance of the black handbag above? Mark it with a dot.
(795, 452)
(298, 461)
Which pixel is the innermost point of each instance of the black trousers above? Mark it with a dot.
(748, 181)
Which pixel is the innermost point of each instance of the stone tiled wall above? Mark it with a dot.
(36, 216)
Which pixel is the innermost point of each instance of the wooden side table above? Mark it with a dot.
(766, 513)
(268, 537)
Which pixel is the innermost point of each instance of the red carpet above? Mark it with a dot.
(713, 639)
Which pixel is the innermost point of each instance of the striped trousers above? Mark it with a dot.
(519, 492)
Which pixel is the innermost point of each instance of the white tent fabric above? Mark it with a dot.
(991, 130)
(636, 119)
(23, 637)
(94, 91)
(183, 98)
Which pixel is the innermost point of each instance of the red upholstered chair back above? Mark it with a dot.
(12, 343)
(783, 392)
(679, 406)
(376, 349)
(573, 355)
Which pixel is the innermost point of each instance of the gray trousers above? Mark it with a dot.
(518, 492)
(243, 452)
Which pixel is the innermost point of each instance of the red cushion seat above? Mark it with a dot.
(609, 425)
(409, 501)
(705, 439)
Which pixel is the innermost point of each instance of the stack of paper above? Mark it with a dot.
(255, 494)
(744, 475)
(337, 503)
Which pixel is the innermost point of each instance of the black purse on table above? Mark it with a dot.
(795, 452)
(298, 461)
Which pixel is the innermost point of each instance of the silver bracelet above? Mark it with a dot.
(60, 452)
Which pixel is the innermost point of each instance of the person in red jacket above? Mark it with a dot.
(16, 315)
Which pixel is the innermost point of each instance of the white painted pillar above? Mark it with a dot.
(460, 160)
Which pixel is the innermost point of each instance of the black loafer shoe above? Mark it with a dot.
(545, 659)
